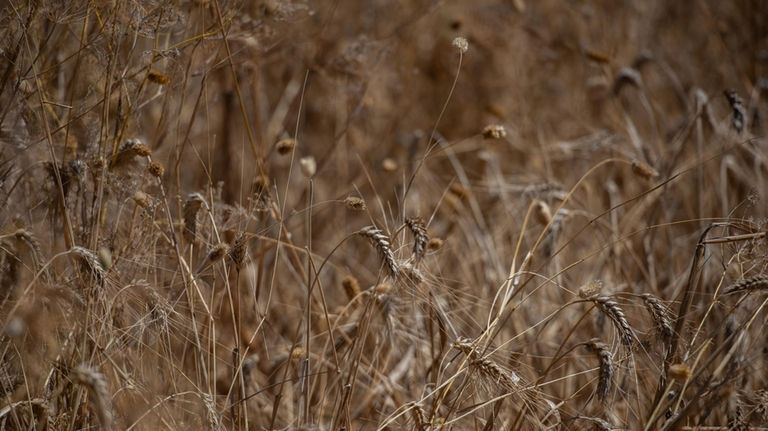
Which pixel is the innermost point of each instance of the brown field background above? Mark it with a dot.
(362, 215)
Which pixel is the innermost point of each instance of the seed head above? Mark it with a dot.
(461, 44)
(156, 169)
(494, 131)
(644, 170)
(158, 77)
(355, 203)
(285, 146)
(308, 166)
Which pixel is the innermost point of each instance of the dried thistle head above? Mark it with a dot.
(355, 203)
(591, 288)
(156, 169)
(644, 170)
(141, 199)
(285, 146)
(217, 253)
(435, 244)
(158, 77)
(128, 151)
(351, 286)
(541, 212)
(297, 353)
(680, 372)
(238, 251)
(308, 166)
(461, 44)
(260, 193)
(389, 165)
(494, 131)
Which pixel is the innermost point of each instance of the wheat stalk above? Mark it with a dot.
(612, 309)
(381, 242)
(605, 357)
(486, 366)
(751, 284)
(98, 391)
(420, 237)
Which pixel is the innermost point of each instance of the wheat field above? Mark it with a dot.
(383, 215)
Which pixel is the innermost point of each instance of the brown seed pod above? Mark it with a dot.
(156, 169)
(158, 77)
(285, 146)
(355, 203)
